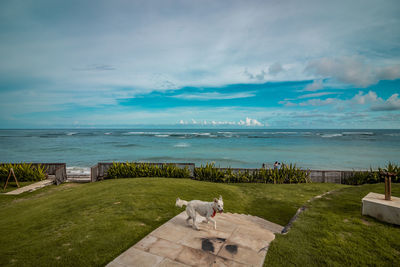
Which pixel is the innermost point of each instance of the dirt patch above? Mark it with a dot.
(365, 222)
(67, 185)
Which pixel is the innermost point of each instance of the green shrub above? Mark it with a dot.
(286, 174)
(132, 170)
(363, 177)
(392, 168)
(209, 173)
(372, 176)
(23, 171)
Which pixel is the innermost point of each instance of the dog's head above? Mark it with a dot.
(219, 204)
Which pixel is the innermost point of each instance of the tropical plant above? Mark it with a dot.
(286, 174)
(132, 170)
(23, 171)
(391, 168)
(373, 176)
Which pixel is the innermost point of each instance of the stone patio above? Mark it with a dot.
(240, 240)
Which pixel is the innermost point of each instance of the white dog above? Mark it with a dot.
(205, 209)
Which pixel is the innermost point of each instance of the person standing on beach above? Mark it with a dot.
(275, 165)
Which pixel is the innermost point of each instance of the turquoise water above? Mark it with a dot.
(315, 149)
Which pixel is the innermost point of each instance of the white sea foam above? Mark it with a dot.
(71, 133)
(161, 135)
(393, 134)
(358, 133)
(331, 135)
(107, 133)
(280, 133)
(182, 145)
(133, 133)
(286, 132)
(202, 134)
(76, 170)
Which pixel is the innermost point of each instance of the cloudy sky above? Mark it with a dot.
(275, 64)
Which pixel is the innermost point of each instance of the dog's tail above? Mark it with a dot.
(179, 202)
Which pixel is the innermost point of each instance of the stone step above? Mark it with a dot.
(78, 176)
(78, 179)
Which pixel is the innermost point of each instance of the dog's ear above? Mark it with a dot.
(220, 197)
(215, 200)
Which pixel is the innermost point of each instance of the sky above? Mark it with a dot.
(180, 64)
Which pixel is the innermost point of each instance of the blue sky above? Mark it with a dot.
(273, 64)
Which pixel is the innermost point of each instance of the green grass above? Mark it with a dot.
(91, 224)
(333, 232)
(13, 185)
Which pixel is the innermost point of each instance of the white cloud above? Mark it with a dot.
(315, 85)
(370, 98)
(214, 96)
(376, 103)
(316, 95)
(255, 76)
(353, 70)
(275, 68)
(247, 122)
(250, 122)
(365, 101)
(143, 47)
(320, 102)
(391, 104)
(287, 101)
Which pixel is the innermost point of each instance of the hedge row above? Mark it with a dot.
(287, 174)
(132, 170)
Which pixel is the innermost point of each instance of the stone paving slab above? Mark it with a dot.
(31, 187)
(240, 240)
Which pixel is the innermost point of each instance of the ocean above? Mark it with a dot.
(247, 148)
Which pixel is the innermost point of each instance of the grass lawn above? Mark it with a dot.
(13, 185)
(333, 232)
(91, 224)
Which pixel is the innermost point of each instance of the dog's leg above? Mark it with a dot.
(214, 222)
(189, 213)
(194, 222)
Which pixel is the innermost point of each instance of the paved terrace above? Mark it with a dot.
(240, 240)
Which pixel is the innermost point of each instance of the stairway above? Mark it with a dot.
(78, 178)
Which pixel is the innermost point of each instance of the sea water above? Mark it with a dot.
(247, 148)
